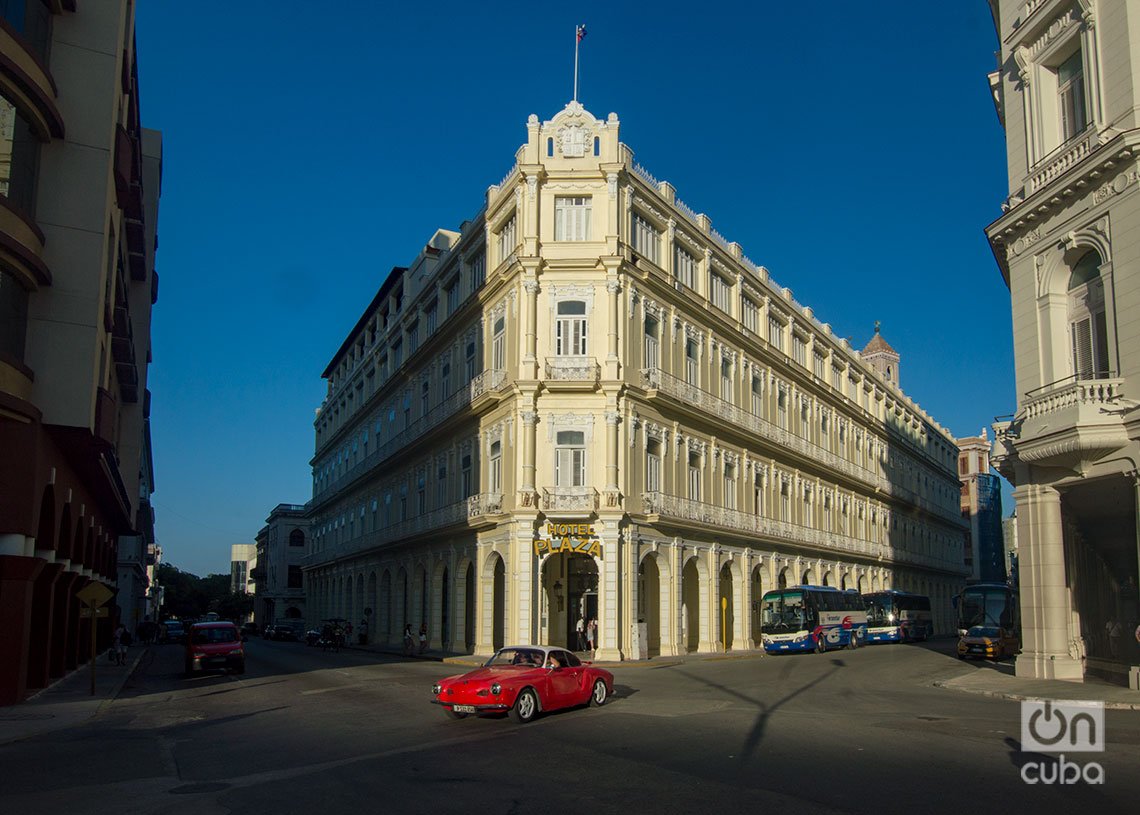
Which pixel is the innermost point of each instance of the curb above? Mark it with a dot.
(1012, 696)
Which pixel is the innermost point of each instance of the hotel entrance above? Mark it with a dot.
(570, 583)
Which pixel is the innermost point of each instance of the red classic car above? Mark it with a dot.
(523, 680)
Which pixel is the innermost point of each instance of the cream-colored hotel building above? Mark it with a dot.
(1068, 244)
(587, 402)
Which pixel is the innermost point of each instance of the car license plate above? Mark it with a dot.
(463, 708)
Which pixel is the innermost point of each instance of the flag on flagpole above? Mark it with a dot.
(581, 32)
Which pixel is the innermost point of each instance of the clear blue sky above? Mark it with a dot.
(851, 149)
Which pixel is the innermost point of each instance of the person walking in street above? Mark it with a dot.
(409, 641)
(580, 630)
(592, 633)
(423, 637)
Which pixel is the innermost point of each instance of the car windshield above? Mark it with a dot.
(206, 636)
(982, 631)
(526, 657)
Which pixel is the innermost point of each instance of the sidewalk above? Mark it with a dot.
(998, 681)
(68, 702)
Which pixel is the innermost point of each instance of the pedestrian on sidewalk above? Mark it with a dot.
(409, 641)
(592, 633)
(120, 640)
(423, 637)
(580, 630)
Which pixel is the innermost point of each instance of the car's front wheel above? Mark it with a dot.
(599, 695)
(525, 707)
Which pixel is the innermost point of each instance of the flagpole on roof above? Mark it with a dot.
(577, 39)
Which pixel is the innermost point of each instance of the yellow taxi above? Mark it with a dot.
(987, 642)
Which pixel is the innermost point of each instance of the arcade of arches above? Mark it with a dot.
(685, 597)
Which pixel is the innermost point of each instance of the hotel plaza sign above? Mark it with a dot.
(571, 538)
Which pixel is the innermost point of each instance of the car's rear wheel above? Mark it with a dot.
(599, 695)
(525, 707)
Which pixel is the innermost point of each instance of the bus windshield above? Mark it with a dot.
(986, 606)
(880, 610)
(783, 612)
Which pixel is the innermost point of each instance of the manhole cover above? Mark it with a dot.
(206, 786)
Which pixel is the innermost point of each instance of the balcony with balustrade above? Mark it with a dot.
(570, 502)
(572, 373)
(450, 516)
(1070, 423)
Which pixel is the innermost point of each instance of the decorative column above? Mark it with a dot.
(529, 364)
(613, 288)
(611, 626)
(612, 458)
(529, 420)
(1045, 607)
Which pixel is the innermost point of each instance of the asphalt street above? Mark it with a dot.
(304, 731)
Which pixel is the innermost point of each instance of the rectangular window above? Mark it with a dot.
(646, 239)
(425, 398)
(691, 363)
(776, 333)
(653, 466)
(452, 292)
(496, 467)
(441, 486)
(413, 337)
(695, 476)
(570, 459)
(652, 354)
(397, 354)
(296, 581)
(430, 317)
(726, 380)
(720, 292)
(685, 266)
(478, 270)
(1071, 96)
(799, 351)
(751, 315)
(757, 396)
(469, 361)
(819, 366)
(570, 329)
(508, 238)
(730, 486)
(572, 218)
(465, 476)
(445, 381)
(498, 346)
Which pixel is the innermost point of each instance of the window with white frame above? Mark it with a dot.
(498, 345)
(730, 486)
(508, 238)
(425, 398)
(445, 381)
(799, 350)
(570, 458)
(441, 485)
(653, 466)
(819, 366)
(570, 329)
(1071, 96)
(685, 266)
(720, 292)
(782, 408)
(776, 333)
(692, 366)
(652, 341)
(469, 361)
(646, 239)
(694, 476)
(726, 379)
(785, 501)
(572, 218)
(751, 315)
(495, 469)
(757, 395)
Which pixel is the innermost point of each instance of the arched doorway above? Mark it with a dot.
(400, 604)
(690, 606)
(498, 601)
(782, 579)
(469, 608)
(808, 578)
(755, 617)
(649, 602)
(570, 584)
(862, 584)
(726, 608)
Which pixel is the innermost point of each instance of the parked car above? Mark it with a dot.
(214, 646)
(987, 642)
(250, 629)
(522, 681)
(288, 631)
(172, 631)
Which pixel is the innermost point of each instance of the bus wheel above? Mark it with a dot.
(820, 644)
(853, 641)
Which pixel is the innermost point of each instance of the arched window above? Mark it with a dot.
(1088, 327)
(296, 538)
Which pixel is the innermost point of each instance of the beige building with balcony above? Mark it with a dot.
(586, 402)
(1066, 91)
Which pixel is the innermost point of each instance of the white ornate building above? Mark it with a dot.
(1066, 90)
(587, 401)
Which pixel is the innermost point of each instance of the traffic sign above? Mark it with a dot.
(102, 611)
(95, 594)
